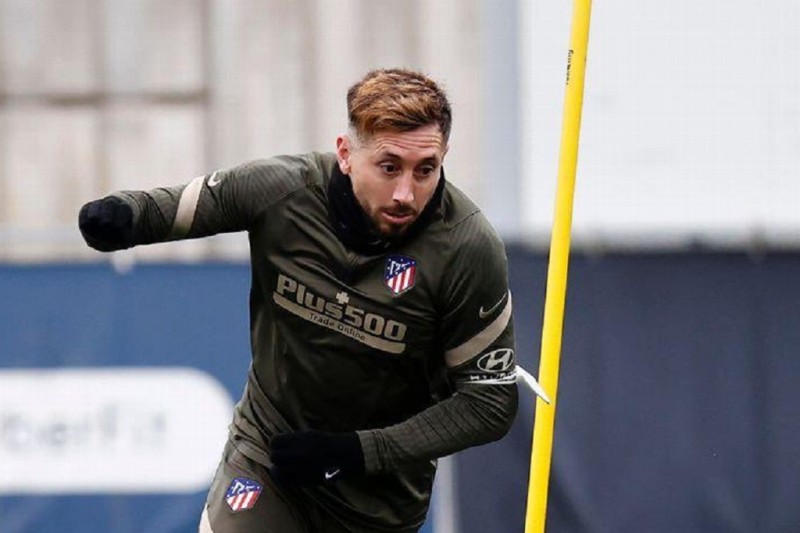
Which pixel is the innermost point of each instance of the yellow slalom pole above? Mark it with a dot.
(542, 450)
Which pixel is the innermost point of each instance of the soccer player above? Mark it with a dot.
(380, 317)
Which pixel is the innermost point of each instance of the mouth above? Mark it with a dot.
(397, 218)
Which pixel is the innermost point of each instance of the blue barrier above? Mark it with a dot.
(677, 403)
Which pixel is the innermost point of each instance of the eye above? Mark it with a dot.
(426, 171)
(389, 168)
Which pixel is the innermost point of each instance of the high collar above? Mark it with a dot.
(354, 228)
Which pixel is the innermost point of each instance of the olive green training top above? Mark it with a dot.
(408, 342)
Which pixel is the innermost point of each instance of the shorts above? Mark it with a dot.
(244, 499)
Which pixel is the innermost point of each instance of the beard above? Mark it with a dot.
(394, 221)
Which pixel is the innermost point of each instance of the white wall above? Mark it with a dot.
(101, 95)
(691, 126)
(691, 123)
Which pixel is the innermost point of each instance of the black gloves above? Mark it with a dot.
(107, 224)
(313, 457)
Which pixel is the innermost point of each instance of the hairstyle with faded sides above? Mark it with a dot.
(397, 100)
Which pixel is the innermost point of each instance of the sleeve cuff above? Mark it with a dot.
(369, 446)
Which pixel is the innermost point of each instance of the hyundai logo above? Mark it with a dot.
(497, 361)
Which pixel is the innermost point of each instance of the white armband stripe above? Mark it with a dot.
(481, 341)
(187, 206)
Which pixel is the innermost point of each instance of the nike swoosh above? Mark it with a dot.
(213, 181)
(332, 474)
(484, 314)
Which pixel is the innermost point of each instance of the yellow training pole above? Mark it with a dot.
(542, 451)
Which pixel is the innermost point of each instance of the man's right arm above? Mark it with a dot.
(222, 202)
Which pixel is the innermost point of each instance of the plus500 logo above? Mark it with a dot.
(340, 314)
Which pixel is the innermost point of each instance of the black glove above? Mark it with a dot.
(107, 224)
(313, 457)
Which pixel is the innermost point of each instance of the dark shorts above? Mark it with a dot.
(244, 499)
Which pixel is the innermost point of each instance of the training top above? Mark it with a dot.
(407, 341)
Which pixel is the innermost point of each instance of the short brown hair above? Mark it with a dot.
(397, 100)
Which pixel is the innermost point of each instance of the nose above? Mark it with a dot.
(404, 189)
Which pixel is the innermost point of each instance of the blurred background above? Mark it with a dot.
(678, 404)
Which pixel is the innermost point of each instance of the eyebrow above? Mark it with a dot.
(392, 155)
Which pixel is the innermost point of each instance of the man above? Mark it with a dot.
(381, 324)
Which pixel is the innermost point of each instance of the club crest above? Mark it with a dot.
(242, 494)
(400, 273)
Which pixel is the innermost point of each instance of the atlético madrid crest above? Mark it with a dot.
(242, 494)
(400, 273)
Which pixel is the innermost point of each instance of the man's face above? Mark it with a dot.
(394, 174)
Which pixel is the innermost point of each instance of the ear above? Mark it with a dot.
(343, 152)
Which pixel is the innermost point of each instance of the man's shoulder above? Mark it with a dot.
(283, 176)
(309, 168)
(465, 220)
(457, 206)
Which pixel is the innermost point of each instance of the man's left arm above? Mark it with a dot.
(478, 336)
